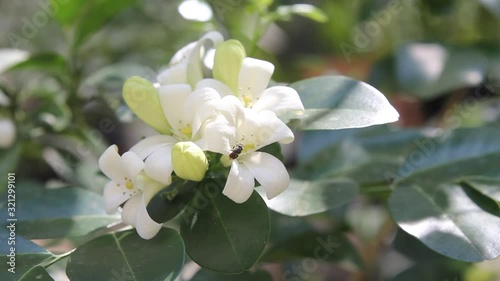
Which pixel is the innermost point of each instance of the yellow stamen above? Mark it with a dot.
(128, 184)
(247, 100)
(186, 130)
(248, 147)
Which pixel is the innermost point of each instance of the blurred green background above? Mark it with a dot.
(427, 56)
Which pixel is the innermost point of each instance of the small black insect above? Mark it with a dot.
(236, 151)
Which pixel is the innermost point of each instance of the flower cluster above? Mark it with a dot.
(223, 107)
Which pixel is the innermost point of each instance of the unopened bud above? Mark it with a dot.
(189, 161)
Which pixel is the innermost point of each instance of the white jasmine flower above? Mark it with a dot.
(237, 133)
(130, 186)
(186, 66)
(8, 132)
(185, 111)
(248, 79)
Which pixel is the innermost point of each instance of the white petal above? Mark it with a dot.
(148, 145)
(146, 227)
(131, 208)
(272, 129)
(217, 85)
(279, 99)
(159, 165)
(176, 74)
(114, 195)
(240, 183)
(218, 135)
(131, 164)
(172, 100)
(202, 103)
(8, 132)
(182, 54)
(269, 172)
(110, 164)
(254, 77)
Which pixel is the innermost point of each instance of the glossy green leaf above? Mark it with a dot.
(27, 254)
(338, 102)
(445, 218)
(11, 57)
(303, 198)
(37, 273)
(450, 154)
(489, 187)
(333, 247)
(207, 275)
(53, 213)
(126, 256)
(224, 236)
(412, 248)
(429, 69)
(285, 12)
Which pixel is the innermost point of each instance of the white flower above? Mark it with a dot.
(128, 185)
(8, 132)
(185, 111)
(251, 81)
(186, 66)
(237, 133)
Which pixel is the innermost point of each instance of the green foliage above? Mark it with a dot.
(337, 102)
(238, 233)
(74, 212)
(121, 255)
(303, 198)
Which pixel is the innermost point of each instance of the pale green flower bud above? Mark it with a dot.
(189, 161)
(142, 98)
(227, 63)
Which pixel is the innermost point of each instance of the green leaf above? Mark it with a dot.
(330, 247)
(100, 11)
(274, 149)
(11, 57)
(446, 219)
(338, 102)
(368, 156)
(46, 62)
(126, 256)
(9, 159)
(37, 273)
(489, 187)
(27, 254)
(440, 70)
(224, 236)
(77, 12)
(285, 12)
(303, 198)
(450, 154)
(207, 275)
(73, 212)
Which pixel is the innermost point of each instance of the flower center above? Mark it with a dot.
(186, 130)
(248, 147)
(247, 100)
(128, 184)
